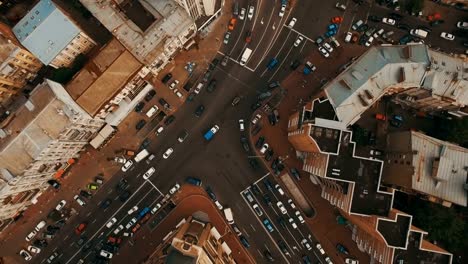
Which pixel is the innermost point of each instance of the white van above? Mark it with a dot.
(152, 111)
(40, 225)
(419, 33)
(198, 88)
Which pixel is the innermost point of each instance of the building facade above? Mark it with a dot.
(51, 35)
(17, 66)
(39, 142)
(198, 8)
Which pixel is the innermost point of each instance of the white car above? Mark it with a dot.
(242, 14)
(219, 205)
(120, 160)
(34, 249)
(168, 153)
(281, 207)
(132, 210)
(369, 41)
(348, 37)
(127, 165)
(118, 229)
(293, 206)
(174, 189)
(40, 225)
(293, 224)
(79, 200)
(328, 47)
(388, 21)
(251, 12)
(278, 188)
(178, 93)
(299, 217)
(350, 261)
(298, 41)
(447, 36)
(324, 52)
(241, 125)
(256, 119)
(257, 210)
(60, 205)
(111, 222)
(25, 254)
(31, 235)
(292, 22)
(173, 84)
(227, 36)
(131, 223)
(105, 254)
(306, 244)
(264, 148)
(320, 248)
(462, 25)
(148, 173)
(282, 10)
(155, 208)
(328, 260)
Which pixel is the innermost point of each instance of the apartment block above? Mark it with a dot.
(194, 241)
(38, 142)
(17, 65)
(198, 8)
(51, 35)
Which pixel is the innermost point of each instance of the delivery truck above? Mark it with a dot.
(210, 133)
(141, 155)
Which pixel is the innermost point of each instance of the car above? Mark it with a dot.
(292, 22)
(375, 152)
(131, 223)
(245, 143)
(268, 225)
(293, 224)
(374, 18)
(111, 222)
(105, 204)
(378, 33)
(388, 21)
(324, 52)
(182, 136)
(227, 37)
(31, 235)
(248, 195)
(260, 142)
(278, 188)
(168, 153)
(169, 120)
(351, 261)
(281, 207)
(257, 210)
(60, 205)
(166, 78)
(295, 173)
(320, 248)
(241, 125)
(447, 36)
(242, 14)
(283, 247)
(299, 217)
(25, 254)
(79, 200)
(236, 229)
(149, 95)
(174, 189)
(251, 12)
(403, 26)
(140, 124)
(306, 244)
(298, 41)
(291, 203)
(55, 184)
(328, 47)
(342, 249)
(363, 28)
(244, 241)
(199, 111)
(369, 41)
(225, 61)
(127, 165)
(232, 23)
(210, 193)
(132, 210)
(462, 25)
(268, 255)
(105, 254)
(357, 24)
(51, 258)
(34, 249)
(436, 23)
(118, 229)
(264, 148)
(256, 119)
(80, 228)
(282, 10)
(155, 208)
(248, 36)
(139, 107)
(173, 84)
(92, 186)
(348, 37)
(178, 93)
(395, 16)
(295, 64)
(272, 64)
(148, 173)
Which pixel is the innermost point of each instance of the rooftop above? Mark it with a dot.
(45, 31)
(421, 251)
(395, 232)
(383, 67)
(103, 77)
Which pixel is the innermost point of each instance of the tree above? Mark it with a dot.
(415, 6)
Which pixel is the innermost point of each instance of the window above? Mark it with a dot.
(37, 12)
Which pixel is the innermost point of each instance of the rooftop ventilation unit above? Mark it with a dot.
(345, 84)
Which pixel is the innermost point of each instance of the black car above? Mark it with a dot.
(106, 203)
(61, 223)
(267, 199)
(169, 120)
(54, 184)
(150, 95)
(395, 16)
(199, 111)
(211, 193)
(122, 185)
(191, 96)
(166, 78)
(268, 184)
(139, 107)
(260, 141)
(363, 39)
(244, 241)
(87, 246)
(268, 255)
(52, 228)
(282, 222)
(146, 142)
(253, 163)
(42, 243)
(306, 259)
(245, 143)
(272, 119)
(85, 194)
(362, 28)
(403, 26)
(256, 105)
(213, 64)
(295, 64)
(371, 138)
(211, 86)
(405, 39)
(269, 154)
(295, 173)
(164, 103)
(124, 196)
(255, 189)
(374, 18)
(207, 76)
(81, 241)
(436, 23)
(140, 124)
(283, 247)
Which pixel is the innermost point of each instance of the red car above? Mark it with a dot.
(80, 228)
(380, 117)
(337, 20)
(232, 23)
(248, 36)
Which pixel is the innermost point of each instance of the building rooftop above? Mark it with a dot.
(421, 251)
(395, 232)
(176, 257)
(6, 48)
(103, 77)
(45, 31)
(354, 90)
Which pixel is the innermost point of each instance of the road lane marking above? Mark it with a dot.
(261, 38)
(253, 227)
(154, 186)
(94, 221)
(66, 237)
(245, 232)
(260, 253)
(281, 64)
(266, 175)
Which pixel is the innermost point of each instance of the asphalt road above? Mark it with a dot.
(220, 163)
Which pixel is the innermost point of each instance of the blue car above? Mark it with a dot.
(331, 33)
(268, 225)
(332, 27)
(272, 64)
